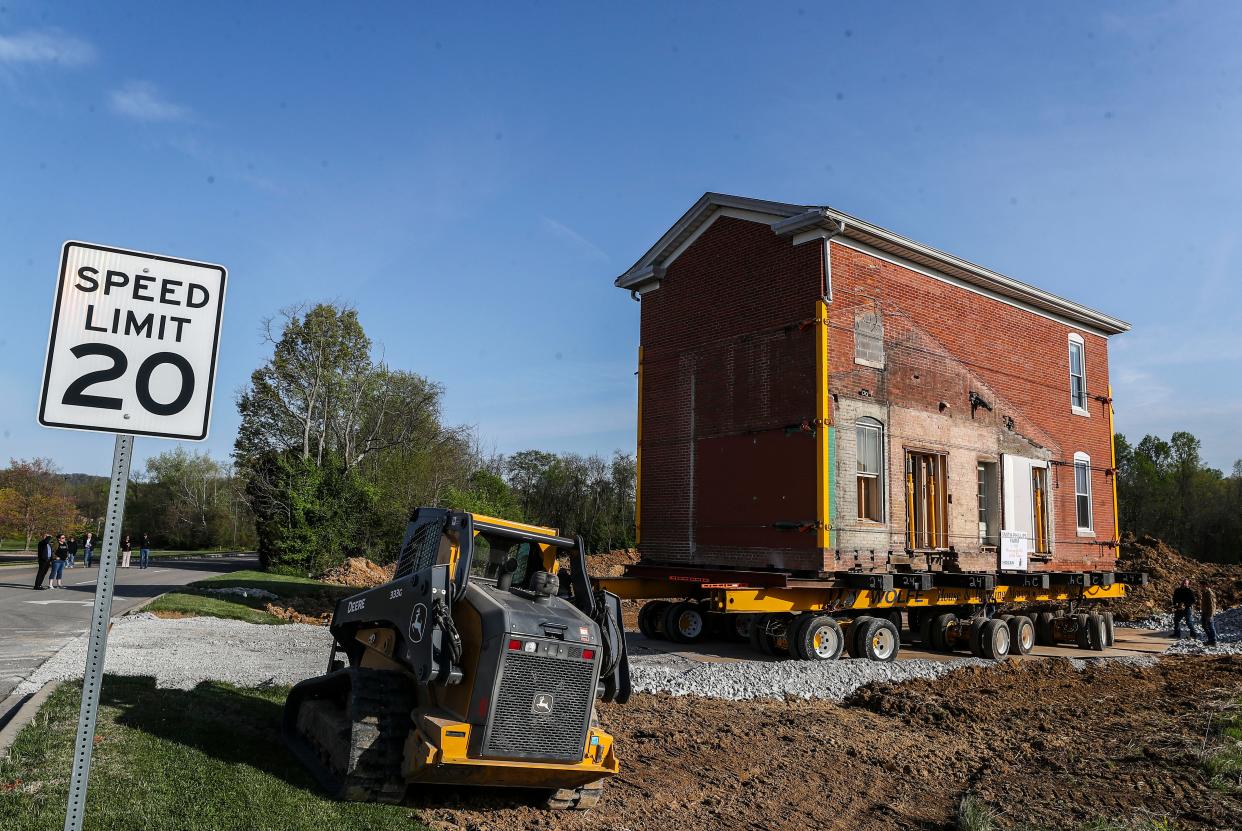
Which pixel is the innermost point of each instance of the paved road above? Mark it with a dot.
(34, 625)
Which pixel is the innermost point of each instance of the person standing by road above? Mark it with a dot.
(144, 554)
(127, 548)
(73, 550)
(88, 546)
(1207, 608)
(1183, 601)
(44, 555)
(58, 564)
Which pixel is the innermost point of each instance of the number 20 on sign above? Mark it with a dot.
(133, 343)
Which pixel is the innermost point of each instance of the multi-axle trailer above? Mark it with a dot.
(863, 613)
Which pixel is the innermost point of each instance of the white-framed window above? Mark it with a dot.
(1078, 374)
(869, 339)
(870, 450)
(1082, 490)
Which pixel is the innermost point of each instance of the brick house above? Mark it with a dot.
(817, 393)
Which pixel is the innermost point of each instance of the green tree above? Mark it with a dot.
(33, 500)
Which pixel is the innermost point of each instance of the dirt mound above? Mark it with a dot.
(612, 563)
(359, 573)
(313, 610)
(1166, 569)
(1043, 744)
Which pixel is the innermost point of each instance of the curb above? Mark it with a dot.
(20, 710)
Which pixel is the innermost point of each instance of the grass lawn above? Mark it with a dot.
(208, 759)
(301, 593)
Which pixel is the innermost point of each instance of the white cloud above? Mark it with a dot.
(568, 234)
(49, 46)
(141, 100)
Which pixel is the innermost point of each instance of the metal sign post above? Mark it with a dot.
(132, 349)
(92, 679)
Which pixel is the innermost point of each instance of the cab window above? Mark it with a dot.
(490, 553)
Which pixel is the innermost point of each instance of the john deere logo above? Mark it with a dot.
(418, 622)
(542, 705)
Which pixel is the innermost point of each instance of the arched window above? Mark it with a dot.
(869, 446)
(1082, 490)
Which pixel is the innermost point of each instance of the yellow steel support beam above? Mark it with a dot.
(751, 601)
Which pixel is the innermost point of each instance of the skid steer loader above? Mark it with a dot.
(479, 664)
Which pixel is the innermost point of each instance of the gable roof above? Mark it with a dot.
(790, 219)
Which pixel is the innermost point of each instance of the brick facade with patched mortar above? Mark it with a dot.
(729, 473)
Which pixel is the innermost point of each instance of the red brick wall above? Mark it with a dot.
(1020, 354)
(726, 321)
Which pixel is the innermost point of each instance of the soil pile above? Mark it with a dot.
(313, 610)
(1046, 744)
(1166, 568)
(612, 563)
(359, 573)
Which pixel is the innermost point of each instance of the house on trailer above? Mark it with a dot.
(818, 394)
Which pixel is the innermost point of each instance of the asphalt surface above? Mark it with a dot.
(34, 625)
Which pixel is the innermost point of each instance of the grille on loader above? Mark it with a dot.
(541, 708)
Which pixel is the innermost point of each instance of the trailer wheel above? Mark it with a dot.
(940, 625)
(994, 639)
(914, 622)
(851, 635)
(1082, 631)
(1097, 632)
(1005, 617)
(894, 615)
(684, 623)
(878, 640)
(1043, 629)
(1021, 635)
(976, 636)
(761, 636)
(1108, 627)
(651, 618)
(927, 620)
(739, 626)
(817, 638)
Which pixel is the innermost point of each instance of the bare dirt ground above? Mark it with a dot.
(1044, 744)
(1166, 568)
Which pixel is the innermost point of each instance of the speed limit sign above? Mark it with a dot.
(133, 343)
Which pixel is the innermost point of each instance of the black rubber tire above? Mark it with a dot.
(1043, 629)
(817, 638)
(1097, 632)
(994, 640)
(684, 622)
(760, 640)
(1005, 617)
(851, 635)
(741, 626)
(914, 622)
(895, 616)
(976, 636)
(1083, 631)
(1021, 635)
(939, 629)
(1109, 627)
(651, 619)
(878, 640)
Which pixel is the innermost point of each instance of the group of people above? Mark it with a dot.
(1184, 600)
(55, 554)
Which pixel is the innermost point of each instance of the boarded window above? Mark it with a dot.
(869, 339)
(927, 514)
(870, 449)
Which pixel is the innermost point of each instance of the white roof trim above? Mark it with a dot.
(908, 253)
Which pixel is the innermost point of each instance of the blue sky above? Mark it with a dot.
(473, 178)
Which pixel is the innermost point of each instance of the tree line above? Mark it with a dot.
(1164, 489)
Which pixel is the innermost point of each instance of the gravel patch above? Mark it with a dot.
(183, 652)
(1228, 636)
(830, 680)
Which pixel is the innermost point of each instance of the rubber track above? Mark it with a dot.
(379, 704)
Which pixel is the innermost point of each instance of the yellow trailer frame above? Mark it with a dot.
(734, 599)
